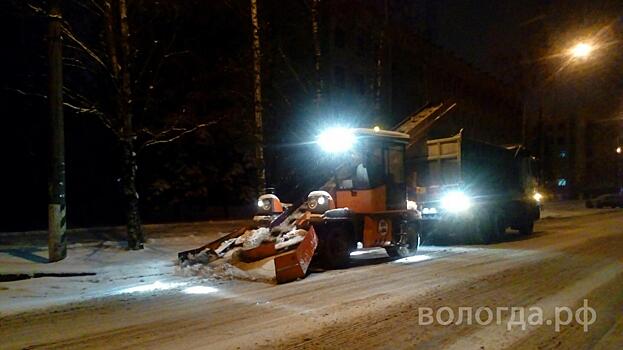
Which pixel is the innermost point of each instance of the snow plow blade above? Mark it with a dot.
(293, 264)
(281, 252)
(183, 256)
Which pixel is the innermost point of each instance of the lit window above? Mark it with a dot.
(562, 182)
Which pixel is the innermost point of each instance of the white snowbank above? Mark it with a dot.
(116, 269)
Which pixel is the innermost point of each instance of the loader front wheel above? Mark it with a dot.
(335, 247)
(407, 246)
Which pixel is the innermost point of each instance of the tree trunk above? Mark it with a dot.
(257, 99)
(317, 52)
(382, 62)
(135, 230)
(118, 38)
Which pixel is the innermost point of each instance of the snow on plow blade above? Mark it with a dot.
(184, 256)
(289, 244)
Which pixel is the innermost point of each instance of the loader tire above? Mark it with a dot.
(408, 245)
(335, 247)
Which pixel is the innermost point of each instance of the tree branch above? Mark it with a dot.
(24, 93)
(181, 132)
(89, 52)
(286, 60)
(95, 112)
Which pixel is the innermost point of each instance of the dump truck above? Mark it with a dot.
(473, 190)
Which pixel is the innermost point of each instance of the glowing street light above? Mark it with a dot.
(619, 150)
(581, 50)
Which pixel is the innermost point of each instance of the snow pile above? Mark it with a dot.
(290, 238)
(567, 209)
(222, 269)
(227, 261)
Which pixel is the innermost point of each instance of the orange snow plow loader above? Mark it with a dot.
(363, 205)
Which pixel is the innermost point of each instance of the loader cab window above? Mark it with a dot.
(371, 165)
(353, 174)
(396, 164)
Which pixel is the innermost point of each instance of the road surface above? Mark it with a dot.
(377, 303)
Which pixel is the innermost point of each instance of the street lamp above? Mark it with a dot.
(581, 50)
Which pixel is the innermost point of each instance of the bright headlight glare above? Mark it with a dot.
(456, 202)
(260, 203)
(321, 200)
(537, 196)
(336, 140)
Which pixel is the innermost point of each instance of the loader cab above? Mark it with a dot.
(372, 179)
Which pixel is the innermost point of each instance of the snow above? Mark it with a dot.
(565, 209)
(116, 271)
(230, 267)
(256, 237)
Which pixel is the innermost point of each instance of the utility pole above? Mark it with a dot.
(257, 99)
(57, 222)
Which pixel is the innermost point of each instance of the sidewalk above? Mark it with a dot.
(568, 208)
(117, 233)
(96, 267)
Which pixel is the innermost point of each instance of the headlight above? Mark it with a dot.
(319, 201)
(336, 140)
(456, 202)
(266, 205)
(260, 203)
(312, 203)
(537, 196)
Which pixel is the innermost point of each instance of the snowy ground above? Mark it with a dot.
(563, 209)
(139, 299)
(96, 268)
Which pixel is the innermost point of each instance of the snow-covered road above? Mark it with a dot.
(377, 303)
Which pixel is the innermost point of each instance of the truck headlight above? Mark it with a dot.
(336, 140)
(456, 202)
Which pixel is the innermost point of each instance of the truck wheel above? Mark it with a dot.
(488, 229)
(526, 228)
(408, 245)
(335, 247)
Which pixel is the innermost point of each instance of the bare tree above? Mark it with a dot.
(383, 59)
(257, 97)
(120, 119)
(315, 8)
